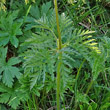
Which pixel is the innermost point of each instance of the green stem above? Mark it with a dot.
(79, 70)
(59, 58)
(75, 83)
(89, 87)
(58, 85)
(58, 26)
(92, 16)
(34, 101)
(26, 15)
(24, 107)
(29, 107)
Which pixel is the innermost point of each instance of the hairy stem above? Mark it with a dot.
(59, 58)
(58, 27)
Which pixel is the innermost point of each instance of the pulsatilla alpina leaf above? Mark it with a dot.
(41, 56)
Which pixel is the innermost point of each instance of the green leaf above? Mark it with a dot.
(81, 107)
(3, 52)
(15, 72)
(33, 81)
(7, 77)
(90, 107)
(81, 98)
(14, 41)
(46, 7)
(4, 97)
(4, 40)
(19, 32)
(10, 29)
(105, 106)
(35, 12)
(1, 70)
(3, 34)
(13, 61)
(2, 107)
(9, 72)
(12, 96)
(14, 102)
(94, 105)
(16, 29)
(37, 93)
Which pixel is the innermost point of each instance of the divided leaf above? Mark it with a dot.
(7, 70)
(9, 29)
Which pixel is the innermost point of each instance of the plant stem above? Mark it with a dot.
(75, 83)
(59, 58)
(26, 15)
(34, 101)
(58, 85)
(89, 87)
(29, 107)
(79, 70)
(58, 27)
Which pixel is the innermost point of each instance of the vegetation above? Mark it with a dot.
(54, 55)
